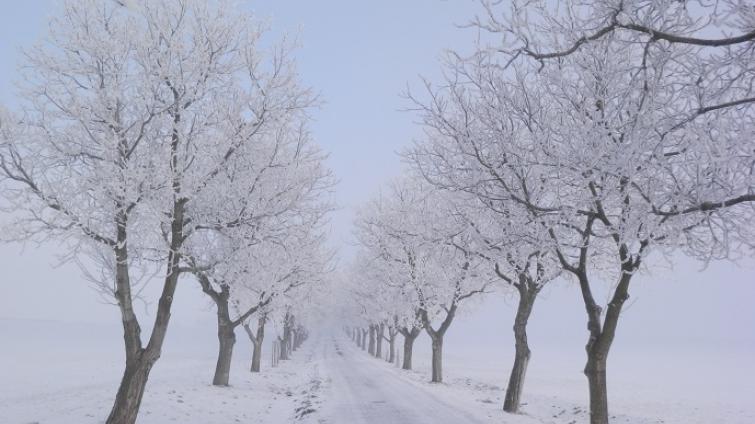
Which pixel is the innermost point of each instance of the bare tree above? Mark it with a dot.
(614, 140)
(271, 242)
(132, 118)
(506, 239)
(256, 337)
(415, 240)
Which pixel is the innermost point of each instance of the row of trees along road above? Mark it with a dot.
(169, 134)
(575, 140)
(413, 250)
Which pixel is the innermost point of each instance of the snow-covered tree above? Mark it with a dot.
(133, 119)
(504, 236)
(377, 293)
(391, 310)
(250, 280)
(616, 141)
(361, 309)
(422, 242)
(263, 220)
(380, 309)
(307, 267)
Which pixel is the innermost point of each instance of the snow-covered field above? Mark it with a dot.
(663, 386)
(53, 372)
(68, 373)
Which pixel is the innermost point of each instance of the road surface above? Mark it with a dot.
(364, 390)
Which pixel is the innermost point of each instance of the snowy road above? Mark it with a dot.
(363, 391)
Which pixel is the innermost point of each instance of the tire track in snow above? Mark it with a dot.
(363, 392)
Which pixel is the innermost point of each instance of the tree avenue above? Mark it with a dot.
(576, 140)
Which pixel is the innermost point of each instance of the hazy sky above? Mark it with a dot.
(361, 55)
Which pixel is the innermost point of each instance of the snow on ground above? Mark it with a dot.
(68, 373)
(53, 372)
(361, 390)
(656, 390)
(475, 383)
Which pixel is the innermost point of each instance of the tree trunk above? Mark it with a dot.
(595, 370)
(437, 361)
(139, 361)
(391, 345)
(409, 337)
(364, 339)
(297, 338)
(436, 336)
(602, 336)
(380, 335)
(289, 336)
(286, 340)
(258, 339)
(134, 380)
(371, 349)
(408, 348)
(256, 357)
(513, 396)
(282, 354)
(130, 393)
(226, 340)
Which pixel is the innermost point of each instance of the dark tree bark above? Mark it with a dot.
(130, 393)
(380, 336)
(257, 339)
(257, 351)
(371, 348)
(226, 341)
(282, 354)
(226, 325)
(437, 358)
(392, 344)
(285, 340)
(599, 345)
(436, 337)
(595, 370)
(410, 335)
(134, 380)
(601, 333)
(528, 291)
(139, 360)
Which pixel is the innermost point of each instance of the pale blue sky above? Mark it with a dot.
(360, 55)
